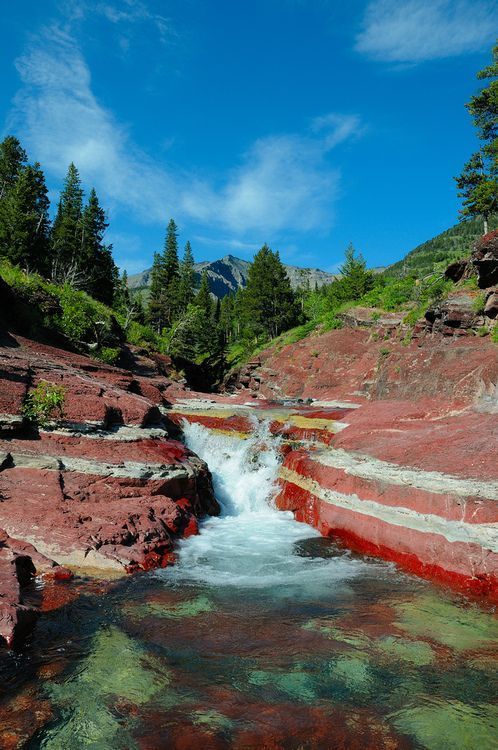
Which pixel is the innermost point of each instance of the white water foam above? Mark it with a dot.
(251, 544)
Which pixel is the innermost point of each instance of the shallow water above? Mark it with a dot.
(264, 635)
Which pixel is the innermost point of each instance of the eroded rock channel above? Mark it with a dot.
(273, 545)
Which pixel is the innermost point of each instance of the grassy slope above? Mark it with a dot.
(451, 245)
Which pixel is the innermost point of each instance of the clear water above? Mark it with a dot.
(264, 635)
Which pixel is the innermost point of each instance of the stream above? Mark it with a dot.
(263, 635)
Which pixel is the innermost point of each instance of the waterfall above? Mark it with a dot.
(251, 544)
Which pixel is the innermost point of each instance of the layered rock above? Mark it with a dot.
(352, 365)
(106, 489)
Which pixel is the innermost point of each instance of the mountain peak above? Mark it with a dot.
(229, 273)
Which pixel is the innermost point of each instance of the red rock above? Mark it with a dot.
(97, 495)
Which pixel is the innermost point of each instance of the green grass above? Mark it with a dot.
(67, 311)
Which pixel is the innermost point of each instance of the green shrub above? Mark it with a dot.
(45, 402)
(479, 302)
(83, 319)
(107, 354)
(494, 334)
(482, 331)
(140, 335)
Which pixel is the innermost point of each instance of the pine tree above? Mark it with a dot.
(227, 314)
(155, 310)
(478, 183)
(355, 280)
(187, 279)
(171, 274)
(24, 221)
(95, 258)
(67, 232)
(203, 298)
(12, 159)
(269, 304)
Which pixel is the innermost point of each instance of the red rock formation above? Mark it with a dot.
(104, 489)
(411, 473)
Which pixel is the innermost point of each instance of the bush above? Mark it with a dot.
(83, 319)
(44, 403)
(140, 335)
(107, 354)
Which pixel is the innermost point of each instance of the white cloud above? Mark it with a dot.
(282, 182)
(412, 31)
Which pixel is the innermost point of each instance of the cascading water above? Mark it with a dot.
(251, 544)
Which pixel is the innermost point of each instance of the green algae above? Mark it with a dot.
(116, 668)
(418, 653)
(461, 629)
(213, 719)
(353, 671)
(452, 724)
(295, 684)
(190, 608)
(352, 638)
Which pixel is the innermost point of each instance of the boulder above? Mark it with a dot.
(460, 269)
(491, 306)
(456, 313)
(485, 260)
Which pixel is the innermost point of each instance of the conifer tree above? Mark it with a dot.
(67, 232)
(95, 258)
(12, 159)
(227, 312)
(24, 221)
(187, 279)
(171, 274)
(155, 311)
(269, 304)
(478, 182)
(355, 280)
(203, 298)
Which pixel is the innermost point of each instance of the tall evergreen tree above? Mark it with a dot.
(269, 304)
(155, 309)
(203, 298)
(12, 158)
(171, 271)
(24, 221)
(478, 183)
(355, 280)
(67, 232)
(227, 314)
(187, 279)
(95, 258)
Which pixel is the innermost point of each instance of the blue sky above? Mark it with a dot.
(305, 124)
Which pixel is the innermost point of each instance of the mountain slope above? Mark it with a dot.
(451, 245)
(229, 273)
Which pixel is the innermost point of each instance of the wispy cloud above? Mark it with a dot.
(62, 121)
(284, 181)
(412, 31)
(126, 15)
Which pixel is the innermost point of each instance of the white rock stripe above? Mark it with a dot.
(124, 470)
(485, 535)
(366, 467)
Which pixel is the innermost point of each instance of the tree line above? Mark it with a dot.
(72, 248)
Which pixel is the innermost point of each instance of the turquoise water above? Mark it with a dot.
(264, 635)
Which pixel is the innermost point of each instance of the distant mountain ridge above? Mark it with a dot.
(229, 273)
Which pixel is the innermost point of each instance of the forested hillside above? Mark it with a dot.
(441, 250)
